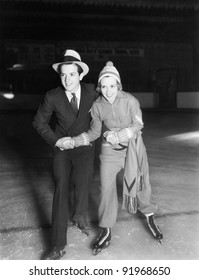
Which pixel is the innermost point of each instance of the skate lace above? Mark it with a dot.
(103, 238)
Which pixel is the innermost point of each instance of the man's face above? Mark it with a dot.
(109, 88)
(70, 78)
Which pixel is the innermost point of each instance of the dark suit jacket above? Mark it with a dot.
(66, 124)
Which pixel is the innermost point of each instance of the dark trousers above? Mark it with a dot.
(80, 166)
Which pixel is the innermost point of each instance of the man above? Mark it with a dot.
(71, 104)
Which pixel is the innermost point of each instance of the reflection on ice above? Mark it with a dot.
(192, 136)
(8, 95)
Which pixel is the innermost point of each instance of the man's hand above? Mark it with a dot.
(65, 143)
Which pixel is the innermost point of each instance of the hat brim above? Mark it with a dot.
(110, 75)
(83, 65)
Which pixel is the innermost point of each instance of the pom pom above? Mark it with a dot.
(109, 63)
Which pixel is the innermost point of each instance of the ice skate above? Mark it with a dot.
(154, 228)
(103, 241)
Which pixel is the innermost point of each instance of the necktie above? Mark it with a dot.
(73, 103)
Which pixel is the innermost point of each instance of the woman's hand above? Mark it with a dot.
(111, 137)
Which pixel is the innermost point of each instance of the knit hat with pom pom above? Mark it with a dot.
(109, 70)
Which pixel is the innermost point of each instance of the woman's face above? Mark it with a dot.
(109, 88)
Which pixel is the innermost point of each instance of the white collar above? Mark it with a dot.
(77, 94)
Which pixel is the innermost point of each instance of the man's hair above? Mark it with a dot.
(79, 68)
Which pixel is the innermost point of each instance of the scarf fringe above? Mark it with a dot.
(130, 203)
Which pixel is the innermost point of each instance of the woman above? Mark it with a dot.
(117, 115)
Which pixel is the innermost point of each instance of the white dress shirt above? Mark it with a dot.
(77, 93)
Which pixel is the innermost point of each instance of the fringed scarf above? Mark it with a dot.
(136, 173)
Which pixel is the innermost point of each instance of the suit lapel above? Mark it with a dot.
(66, 109)
(85, 96)
(84, 104)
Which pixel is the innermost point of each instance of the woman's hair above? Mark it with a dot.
(98, 88)
(79, 68)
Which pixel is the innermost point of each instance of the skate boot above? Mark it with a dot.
(103, 241)
(154, 228)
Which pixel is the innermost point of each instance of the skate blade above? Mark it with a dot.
(160, 241)
(97, 250)
(82, 231)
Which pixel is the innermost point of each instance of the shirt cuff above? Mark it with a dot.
(124, 134)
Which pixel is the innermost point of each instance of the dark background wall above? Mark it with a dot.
(155, 47)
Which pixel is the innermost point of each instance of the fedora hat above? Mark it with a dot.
(71, 56)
